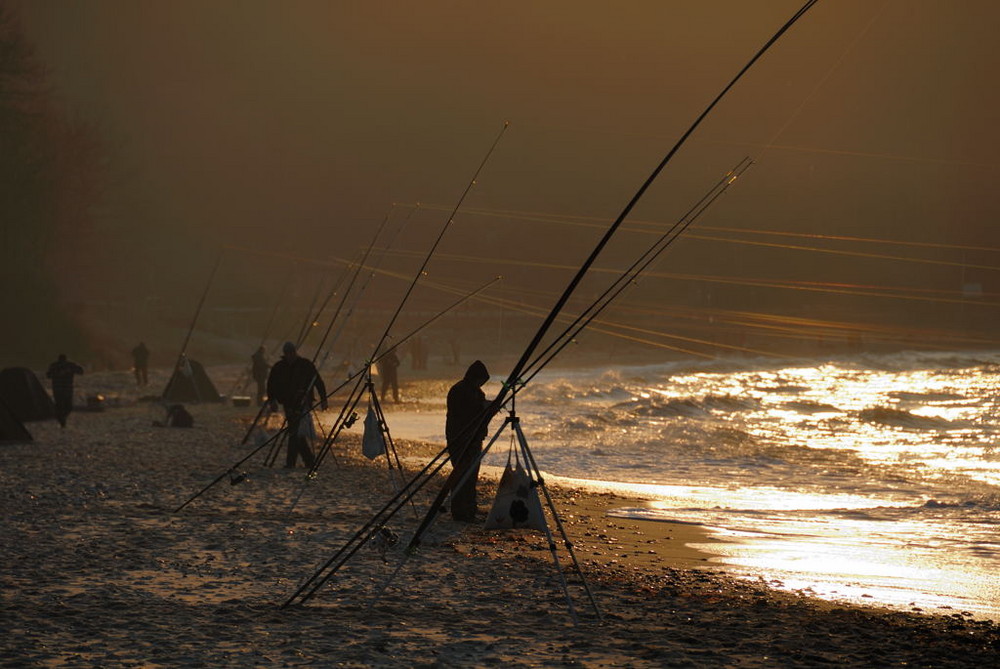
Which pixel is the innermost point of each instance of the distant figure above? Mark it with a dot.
(140, 364)
(291, 383)
(388, 366)
(466, 407)
(418, 353)
(259, 369)
(62, 372)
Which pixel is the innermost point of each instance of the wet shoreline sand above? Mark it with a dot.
(99, 570)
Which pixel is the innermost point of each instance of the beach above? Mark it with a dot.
(101, 570)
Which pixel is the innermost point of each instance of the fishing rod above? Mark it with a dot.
(428, 473)
(335, 428)
(631, 275)
(194, 320)
(514, 376)
(343, 300)
(371, 271)
(269, 460)
(232, 469)
(333, 565)
(265, 406)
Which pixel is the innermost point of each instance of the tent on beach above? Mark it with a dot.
(11, 429)
(190, 383)
(24, 395)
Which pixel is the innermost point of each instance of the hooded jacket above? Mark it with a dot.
(466, 403)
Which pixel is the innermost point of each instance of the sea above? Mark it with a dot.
(872, 479)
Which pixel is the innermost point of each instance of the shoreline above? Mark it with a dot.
(100, 570)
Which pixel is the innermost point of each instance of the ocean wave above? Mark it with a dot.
(810, 406)
(907, 396)
(905, 419)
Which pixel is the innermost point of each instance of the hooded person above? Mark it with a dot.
(293, 383)
(465, 429)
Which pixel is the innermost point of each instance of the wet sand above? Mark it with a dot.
(99, 570)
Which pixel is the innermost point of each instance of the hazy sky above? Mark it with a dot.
(295, 125)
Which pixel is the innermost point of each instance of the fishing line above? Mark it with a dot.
(420, 272)
(652, 227)
(333, 565)
(632, 273)
(514, 377)
(343, 385)
(194, 320)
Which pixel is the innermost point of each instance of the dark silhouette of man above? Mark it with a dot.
(62, 372)
(259, 369)
(292, 383)
(140, 364)
(465, 429)
(388, 368)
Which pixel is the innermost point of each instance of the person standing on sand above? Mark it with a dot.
(466, 406)
(62, 372)
(259, 369)
(140, 364)
(291, 383)
(388, 368)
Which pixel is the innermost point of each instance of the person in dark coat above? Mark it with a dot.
(62, 372)
(259, 369)
(140, 364)
(465, 430)
(388, 369)
(292, 383)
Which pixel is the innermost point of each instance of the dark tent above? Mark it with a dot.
(11, 429)
(190, 383)
(24, 395)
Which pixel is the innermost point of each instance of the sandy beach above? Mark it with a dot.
(99, 570)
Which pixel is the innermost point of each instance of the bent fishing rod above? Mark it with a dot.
(231, 471)
(355, 392)
(515, 374)
(334, 564)
(630, 275)
(432, 468)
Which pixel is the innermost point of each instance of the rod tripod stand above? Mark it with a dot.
(396, 473)
(537, 482)
(311, 585)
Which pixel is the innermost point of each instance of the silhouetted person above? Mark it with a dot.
(388, 369)
(259, 369)
(292, 383)
(62, 372)
(465, 430)
(140, 364)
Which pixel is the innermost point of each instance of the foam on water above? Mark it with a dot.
(874, 479)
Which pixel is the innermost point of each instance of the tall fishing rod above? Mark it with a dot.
(309, 587)
(370, 275)
(632, 273)
(352, 377)
(413, 283)
(194, 320)
(514, 376)
(264, 406)
(328, 569)
(343, 299)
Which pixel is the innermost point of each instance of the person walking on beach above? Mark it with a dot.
(259, 369)
(140, 364)
(388, 368)
(62, 372)
(466, 406)
(292, 383)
